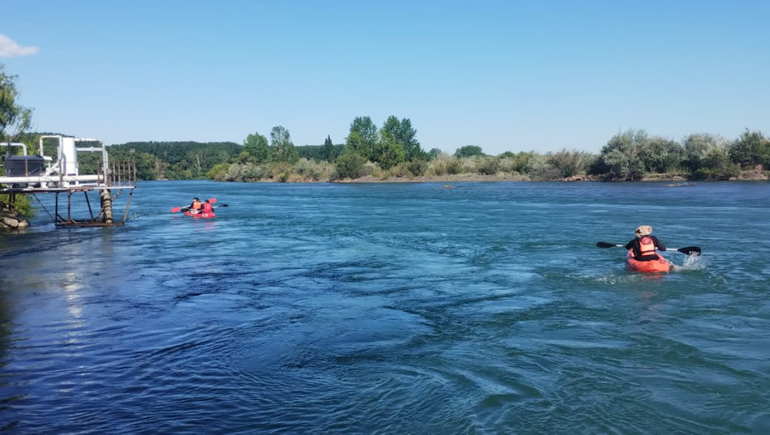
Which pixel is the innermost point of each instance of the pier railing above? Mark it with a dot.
(120, 173)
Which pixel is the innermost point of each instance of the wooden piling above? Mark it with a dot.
(106, 203)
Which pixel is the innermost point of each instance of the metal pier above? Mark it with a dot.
(62, 177)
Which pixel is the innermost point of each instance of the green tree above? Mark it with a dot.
(218, 172)
(752, 148)
(14, 121)
(327, 152)
(363, 137)
(145, 167)
(257, 148)
(283, 148)
(697, 146)
(433, 153)
(619, 159)
(661, 155)
(14, 118)
(716, 165)
(388, 153)
(402, 133)
(469, 151)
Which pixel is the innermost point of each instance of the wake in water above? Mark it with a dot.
(692, 262)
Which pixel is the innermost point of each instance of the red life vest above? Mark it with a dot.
(207, 208)
(646, 246)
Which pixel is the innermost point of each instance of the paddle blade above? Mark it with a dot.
(607, 245)
(176, 209)
(690, 250)
(212, 200)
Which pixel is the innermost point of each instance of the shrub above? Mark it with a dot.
(312, 170)
(349, 165)
(401, 170)
(218, 172)
(489, 166)
(417, 167)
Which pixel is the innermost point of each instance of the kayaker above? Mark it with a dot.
(643, 245)
(207, 208)
(196, 206)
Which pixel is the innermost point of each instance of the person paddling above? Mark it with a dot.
(196, 206)
(643, 245)
(207, 208)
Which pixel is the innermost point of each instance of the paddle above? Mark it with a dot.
(184, 209)
(690, 250)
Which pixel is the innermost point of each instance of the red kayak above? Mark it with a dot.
(659, 265)
(200, 215)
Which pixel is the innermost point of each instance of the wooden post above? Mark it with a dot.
(106, 201)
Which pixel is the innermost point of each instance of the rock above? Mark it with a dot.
(10, 223)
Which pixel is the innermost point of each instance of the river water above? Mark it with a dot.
(392, 309)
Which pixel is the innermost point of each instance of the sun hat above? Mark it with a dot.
(643, 230)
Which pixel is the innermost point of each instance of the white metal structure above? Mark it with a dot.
(64, 172)
(27, 176)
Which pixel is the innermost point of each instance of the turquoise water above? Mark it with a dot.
(392, 309)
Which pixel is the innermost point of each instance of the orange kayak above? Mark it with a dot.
(200, 215)
(660, 265)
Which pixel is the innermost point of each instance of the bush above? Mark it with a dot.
(218, 172)
(751, 149)
(417, 167)
(716, 165)
(349, 165)
(540, 170)
(401, 170)
(569, 163)
(280, 171)
(22, 205)
(312, 170)
(488, 166)
(444, 164)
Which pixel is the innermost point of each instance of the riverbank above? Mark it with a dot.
(680, 179)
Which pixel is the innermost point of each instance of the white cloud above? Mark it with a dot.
(9, 48)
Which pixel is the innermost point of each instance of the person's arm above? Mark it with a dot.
(630, 244)
(660, 245)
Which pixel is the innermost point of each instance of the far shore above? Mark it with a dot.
(678, 179)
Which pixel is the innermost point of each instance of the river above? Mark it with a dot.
(392, 309)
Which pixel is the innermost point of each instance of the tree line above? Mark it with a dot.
(392, 150)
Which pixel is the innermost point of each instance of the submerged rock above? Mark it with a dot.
(12, 223)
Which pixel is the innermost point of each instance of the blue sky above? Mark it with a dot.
(503, 75)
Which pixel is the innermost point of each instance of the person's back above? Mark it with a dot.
(643, 245)
(207, 208)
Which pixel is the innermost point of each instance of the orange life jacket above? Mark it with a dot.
(196, 206)
(646, 246)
